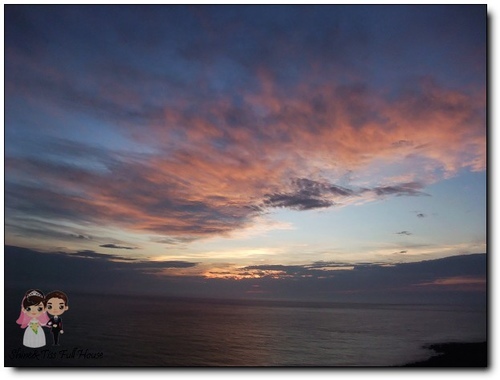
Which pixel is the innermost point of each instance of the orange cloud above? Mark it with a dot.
(218, 164)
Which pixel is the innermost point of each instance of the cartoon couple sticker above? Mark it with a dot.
(39, 310)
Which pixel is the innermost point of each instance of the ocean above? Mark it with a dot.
(117, 331)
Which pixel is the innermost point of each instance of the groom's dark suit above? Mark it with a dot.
(56, 326)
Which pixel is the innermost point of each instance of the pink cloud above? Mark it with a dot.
(216, 161)
(458, 283)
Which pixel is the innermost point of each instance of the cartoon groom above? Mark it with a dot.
(57, 304)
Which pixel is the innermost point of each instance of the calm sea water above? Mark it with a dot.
(140, 331)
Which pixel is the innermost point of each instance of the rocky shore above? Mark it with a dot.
(455, 355)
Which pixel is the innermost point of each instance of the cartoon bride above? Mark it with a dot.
(32, 317)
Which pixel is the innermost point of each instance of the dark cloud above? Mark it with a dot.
(432, 280)
(317, 188)
(87, 271)
(308, 194)
(83, 237)
(114, 246)
(348, 274)
(379, 282)
(130, 263)
(400, 252)
(405, 189)
(407, 233)
(66, 93)
(296, 202)
(96, 255)
(31, 199)
(36, 228)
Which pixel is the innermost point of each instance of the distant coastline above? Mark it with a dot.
(455, 355)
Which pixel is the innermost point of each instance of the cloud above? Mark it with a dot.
(131, 263)
(369, 276)
(83, 237)
(183, 197)
(126, 195)
(462, 282)
(175, 241)
(231, 122)
(115, 246)
(95, 255)
(402, 143)
(88, 270)
(441, 280)
(406, 189)
(296, 201)
(211, 178)
(309, 194)
(407, 233)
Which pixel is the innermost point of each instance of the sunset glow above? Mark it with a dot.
(266, 143)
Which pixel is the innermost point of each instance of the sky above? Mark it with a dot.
(258, 151)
